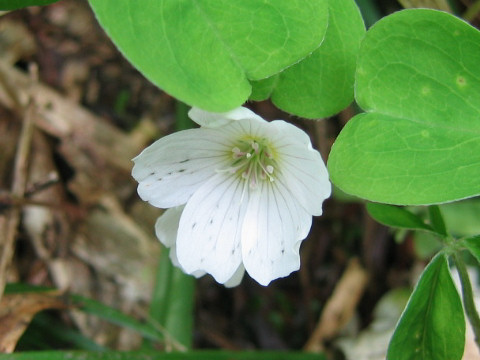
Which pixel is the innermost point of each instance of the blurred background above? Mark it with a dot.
(73, 113)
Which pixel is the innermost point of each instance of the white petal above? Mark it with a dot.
(212, 119)
(273, 227)
(166, 226)
(237, 277)
(209, 231)
(171, 169)
(301, 167)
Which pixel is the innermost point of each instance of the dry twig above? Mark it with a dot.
(340, 307)
(9, 223)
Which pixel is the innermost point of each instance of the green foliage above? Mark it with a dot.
(116, 317)
(18, 4)
(419, 81)
(426, 244)
(473, 246)
(322, 84)
(172, 302)
(47, 331)
(204, 53)
(437, 221)
(96, 308)
(433, 324)
(461, 217)
(397, 217)
(155, 355)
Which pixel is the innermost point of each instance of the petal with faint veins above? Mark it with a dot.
(230, 224)
(166, 228)
(209, 119)
(171, 169)
(302, 169)
(209, 231)
(273, 227)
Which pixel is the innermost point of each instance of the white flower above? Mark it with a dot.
(249, 189)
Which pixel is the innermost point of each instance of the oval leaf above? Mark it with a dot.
(418, 78)
(433, 324)
(205, 52)
(322, 84)
(395, 216)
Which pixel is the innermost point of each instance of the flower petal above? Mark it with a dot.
(166, 228)
(171, 169)
(209, 232)
(272, 230)
(302, 169)
(236, 278)
(211, 119)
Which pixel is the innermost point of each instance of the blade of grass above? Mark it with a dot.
(46, 331)
(116, 317)
(96, 308)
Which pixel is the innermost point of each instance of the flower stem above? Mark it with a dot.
(468, 300)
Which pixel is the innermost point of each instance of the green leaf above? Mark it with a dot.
(461, 217)
(96, 308)
(433, 324)
(262, 90)
(322, 84)
(426, 244)
(205, 52)
(18, 4)
(47, 331)
(437, 221)
(395, 216)
(473, 246)
(115, 316)
(419, 81)
(156, 355)
(172, 302)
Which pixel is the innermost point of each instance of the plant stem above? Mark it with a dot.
(468, 300)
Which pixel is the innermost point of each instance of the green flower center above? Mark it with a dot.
(253, 161)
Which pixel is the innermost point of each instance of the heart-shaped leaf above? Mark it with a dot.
(205, 52)
(322, 84)
(418, 78)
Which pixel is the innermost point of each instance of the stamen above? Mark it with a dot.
(253, 161)
(237, 152)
